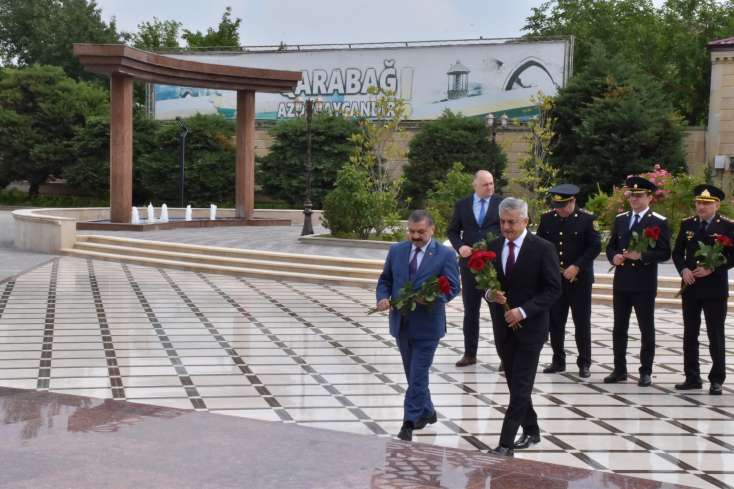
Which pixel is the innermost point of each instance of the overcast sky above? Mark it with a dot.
(334, 21)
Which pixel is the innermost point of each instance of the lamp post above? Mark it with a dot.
(182, 157)
(307, 205)
(490, 125)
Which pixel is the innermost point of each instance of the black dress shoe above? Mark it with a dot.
(466, 361)
(715, 389)
(526, 441)
(584, 372)
(504, 451)
(645, 380)
(425, 420)
(553, 368)
(689, 384)
(406, 431)
(615, 377)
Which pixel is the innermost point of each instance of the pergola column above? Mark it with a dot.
(121, 148)
(244, 187)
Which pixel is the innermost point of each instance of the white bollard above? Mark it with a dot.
(150, 218)
(135, 219)
(164, 213)
(188, 212)
(212, 212)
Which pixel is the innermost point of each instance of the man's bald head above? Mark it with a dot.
(483, 184)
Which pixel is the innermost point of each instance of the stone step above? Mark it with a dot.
(233, 252)
(303, 267)
(229, 270)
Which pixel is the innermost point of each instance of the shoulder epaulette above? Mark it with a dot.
(587, 212)
(725, 218)
(689, 218)
(621, 214)
(659, 216)
(548, 213)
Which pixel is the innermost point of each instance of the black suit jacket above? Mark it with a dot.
(684, 256)
(534, 285)
(463, 228)
(638, 275)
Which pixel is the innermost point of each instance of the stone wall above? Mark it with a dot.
(514, 142)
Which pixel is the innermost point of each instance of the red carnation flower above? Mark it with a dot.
(444, 285)
(476, 263)
(724, 240)
(653, 232)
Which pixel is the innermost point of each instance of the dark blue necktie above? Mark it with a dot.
(413, 265)
(635, 221)
(482, 211)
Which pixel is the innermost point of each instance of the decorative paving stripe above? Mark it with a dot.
(236, 358)
(251, 377)
(113, 369)
(474, 441)
(44, 365)
(183, 376)
(355, 411)
(7, 292)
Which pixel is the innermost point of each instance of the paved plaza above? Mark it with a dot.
(310, 355)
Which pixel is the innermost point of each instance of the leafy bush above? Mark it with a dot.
(16, 197)
(281, 173)
(451, 137)
(674, 200)
(440, 201)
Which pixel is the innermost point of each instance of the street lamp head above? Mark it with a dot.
(490, 120)
(503, 120)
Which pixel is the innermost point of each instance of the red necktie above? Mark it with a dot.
(510, 258)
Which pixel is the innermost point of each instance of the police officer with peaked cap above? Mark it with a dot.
(636, 277)
(705, 289)
(573, 232)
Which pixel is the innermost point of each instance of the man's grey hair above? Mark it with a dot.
(420, 215)
(512, 204)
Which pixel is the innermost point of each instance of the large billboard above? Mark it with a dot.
(471, 77)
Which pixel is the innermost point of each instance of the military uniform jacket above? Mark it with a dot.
(576, 240)
(638, 275)
(686, 245)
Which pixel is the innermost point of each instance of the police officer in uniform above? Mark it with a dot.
(636, 278)
(705, 289)
(578, 243)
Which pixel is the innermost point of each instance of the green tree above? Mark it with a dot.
(440, 200)
(209, 166)
(281, 173)
(451, 137)
(226, 35)
(668, 43)
(613, 121)
(40, 110)
(156, 34)
(43, 32)
(537, 174)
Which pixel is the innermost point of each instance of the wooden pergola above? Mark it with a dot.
(123, 64)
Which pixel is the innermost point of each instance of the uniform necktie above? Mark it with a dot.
(510, 258)
(482, 211)
(702, 229)
(635, 221)
(413, 265)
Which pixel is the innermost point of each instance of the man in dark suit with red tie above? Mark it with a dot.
(474, 216)
(527, 268)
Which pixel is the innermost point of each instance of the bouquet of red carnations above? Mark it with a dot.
(642, 242)
(407, 297)
(710, 256)
(484, 272)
